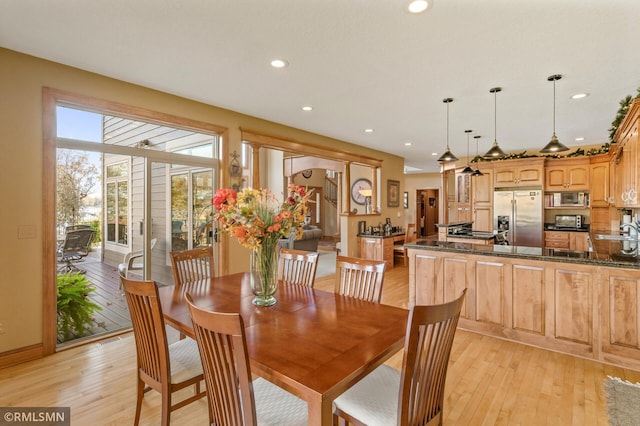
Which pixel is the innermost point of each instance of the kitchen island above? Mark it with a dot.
(379, 246)
(581, 303)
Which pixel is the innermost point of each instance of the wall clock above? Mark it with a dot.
(307, 173)
(360, 185)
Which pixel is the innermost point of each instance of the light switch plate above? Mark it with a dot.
(26, 231)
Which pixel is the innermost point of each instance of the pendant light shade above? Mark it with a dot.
(448, 155)
(476, 159)
(554, 144)
(468, 170)
(495, 151)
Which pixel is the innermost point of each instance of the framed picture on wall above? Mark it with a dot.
(405, 202)
(393, 193)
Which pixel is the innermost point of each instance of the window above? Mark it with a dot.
(191, 220)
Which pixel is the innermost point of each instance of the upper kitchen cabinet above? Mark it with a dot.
(567, 174)
(482, 197)
(519, 173)
(463, 196)
(625, 159)
(599, 180)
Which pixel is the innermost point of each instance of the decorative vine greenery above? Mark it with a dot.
(625, 104)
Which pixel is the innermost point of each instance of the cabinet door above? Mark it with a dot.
(504, 177)
(371, 248)
(529, 176)
(599, 177)
(620, 313)
(579, 241)
(578, 177)
(555, 179)
(483, 218)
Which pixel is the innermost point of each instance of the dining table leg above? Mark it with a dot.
(320, 411)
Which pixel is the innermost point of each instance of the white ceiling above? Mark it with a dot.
(361, 63)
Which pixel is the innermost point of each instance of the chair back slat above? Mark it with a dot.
(360, 278)
(148, 329)
(297, 266)
(225, 361)
(430, 333)
(192, 265)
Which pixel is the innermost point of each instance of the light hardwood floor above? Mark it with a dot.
(489, 381)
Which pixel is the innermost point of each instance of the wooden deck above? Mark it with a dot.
(114, 316)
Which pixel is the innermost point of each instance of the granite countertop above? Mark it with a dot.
(606, 253)
(552, 227)
(474, 235)
(382, 235)
(447, 225)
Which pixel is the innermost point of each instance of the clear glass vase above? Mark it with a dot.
(264, 274)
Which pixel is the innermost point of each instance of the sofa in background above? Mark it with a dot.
(309, 241)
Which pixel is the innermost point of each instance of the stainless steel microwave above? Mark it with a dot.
(569, 199)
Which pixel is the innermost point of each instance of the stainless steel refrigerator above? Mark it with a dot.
(519, 212)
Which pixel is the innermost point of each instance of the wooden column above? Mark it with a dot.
(346, 187)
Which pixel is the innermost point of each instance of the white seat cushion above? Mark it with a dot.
(277, 407)
(185, 360)
(374, 399)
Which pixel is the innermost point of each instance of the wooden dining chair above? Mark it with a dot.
(414, 396)
(297, 266)
(360, 278)
(234, 399)
(399, 251)
(162, 367)
(192, 265)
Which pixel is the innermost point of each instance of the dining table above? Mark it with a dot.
(312, 343)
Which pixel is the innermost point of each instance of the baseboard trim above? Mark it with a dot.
(18, 356)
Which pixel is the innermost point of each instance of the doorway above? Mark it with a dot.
(427, 208)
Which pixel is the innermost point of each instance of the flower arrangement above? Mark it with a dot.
(258, 221)
(256, 218)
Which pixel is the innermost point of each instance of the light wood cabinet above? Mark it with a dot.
(463, 197)
(591, 311)
(575, 241)
(599, 181)
(567, 174)
(626, 159)
(379, 248)
(482, 198)
(620, 327)
(519, 173)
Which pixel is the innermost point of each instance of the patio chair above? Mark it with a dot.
(75, 247)
(359, 278)
(414, 396)
(162, 367)
(234, 398)
(133, 261)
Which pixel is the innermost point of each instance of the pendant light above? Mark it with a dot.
(448, 155)
(468, 170)
(554, 144)
(495, 151)
(477, 158)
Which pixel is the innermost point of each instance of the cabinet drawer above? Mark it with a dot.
(556, 244)
(553, 235)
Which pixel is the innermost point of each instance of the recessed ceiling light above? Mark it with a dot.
(579, 139)
(579, 95)
(434, 153)
(307, 108)
(418, 6)
(279, 63)
(408, 144)
(368, 130)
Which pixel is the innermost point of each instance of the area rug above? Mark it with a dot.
(623, 402)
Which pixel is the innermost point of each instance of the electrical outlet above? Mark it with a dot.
(3, 326)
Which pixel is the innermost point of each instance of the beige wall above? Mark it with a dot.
(22, 79)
